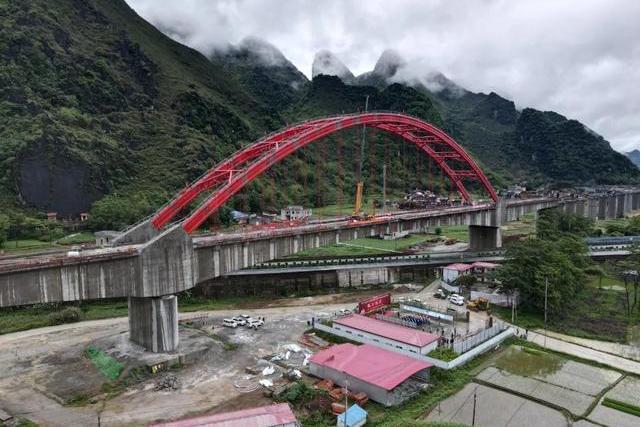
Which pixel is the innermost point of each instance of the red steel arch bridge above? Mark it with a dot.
(230, 175)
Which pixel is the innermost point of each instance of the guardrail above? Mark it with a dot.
(377, 259)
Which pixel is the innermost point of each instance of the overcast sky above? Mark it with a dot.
(577, 57)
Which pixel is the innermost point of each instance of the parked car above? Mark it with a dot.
(240, 321)
(254, 323)
(457, 299)
(440, 294)
(230, 323)
(345, 311)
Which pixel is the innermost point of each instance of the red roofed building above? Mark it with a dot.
(453, 271)
(386, 377)
(386, 334)
(279, 415)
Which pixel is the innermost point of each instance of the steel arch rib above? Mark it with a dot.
(245, 165)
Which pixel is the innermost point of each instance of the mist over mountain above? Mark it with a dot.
(633, 156)
(101, 112)
(325, 62)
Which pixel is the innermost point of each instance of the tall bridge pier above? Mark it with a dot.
(486, 233)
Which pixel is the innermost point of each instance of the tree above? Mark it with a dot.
(4, 229)
(553, 223)
(466, 281)
(628, 270)
(597, 271)
(530, 263)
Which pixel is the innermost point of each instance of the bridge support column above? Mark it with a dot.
(484, 237)
(153, 323)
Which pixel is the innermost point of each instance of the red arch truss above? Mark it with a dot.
(229, 176)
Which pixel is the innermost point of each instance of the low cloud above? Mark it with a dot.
(577, 57)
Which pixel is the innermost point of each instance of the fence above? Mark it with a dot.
(427, 311)
(502, 300)
(463, 358)
(474, 340)
(396, 320)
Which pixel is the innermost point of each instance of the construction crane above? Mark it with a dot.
(358, 213)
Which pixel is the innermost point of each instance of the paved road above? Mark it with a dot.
(617, 349)
(572, 349)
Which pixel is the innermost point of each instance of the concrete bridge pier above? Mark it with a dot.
(153, 323)
(484, 237)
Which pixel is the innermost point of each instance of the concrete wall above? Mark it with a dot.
(172, 262)
(163, 266)
(366, 276)
(153, 323)
(463, 358)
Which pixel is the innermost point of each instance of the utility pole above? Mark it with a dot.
(384, 186)
(345, 423)
(545, 315)
(474, 409)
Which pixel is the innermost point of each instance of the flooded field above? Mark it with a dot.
(527, 387)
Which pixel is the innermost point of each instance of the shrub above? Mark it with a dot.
(66, 315)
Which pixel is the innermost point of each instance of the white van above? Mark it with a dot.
(230, 323)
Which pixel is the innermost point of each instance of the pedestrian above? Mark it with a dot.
(525, 333)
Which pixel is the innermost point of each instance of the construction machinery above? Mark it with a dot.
(478, 304)
(359, 214)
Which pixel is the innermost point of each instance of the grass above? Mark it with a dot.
(29, 245)
(525, 226)
(77, 238)
(444, 383)
(109, 367)
(443, 353)
(456, 232)
(594, 314)
(366, 246)
(16, 319)
(621, 406)
(24, 245)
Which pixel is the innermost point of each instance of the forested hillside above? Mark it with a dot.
(101, 112)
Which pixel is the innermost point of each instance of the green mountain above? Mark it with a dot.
(96, 101)
(101, 112)
(633, 156)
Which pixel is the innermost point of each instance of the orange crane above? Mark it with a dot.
(358, 213)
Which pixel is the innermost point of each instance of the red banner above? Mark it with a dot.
(375, 303)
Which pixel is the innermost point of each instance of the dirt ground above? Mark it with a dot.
(43, 368)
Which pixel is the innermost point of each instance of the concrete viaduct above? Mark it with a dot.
(149, 274)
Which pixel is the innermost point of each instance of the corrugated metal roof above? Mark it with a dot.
(458, 267)
(371, 364)
(483, 264)
(264, 416)
(387, 330)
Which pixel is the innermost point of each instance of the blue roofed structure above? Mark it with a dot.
(354, 417)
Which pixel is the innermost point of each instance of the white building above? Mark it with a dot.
(453, 271)
(293, 213)
(387, 335)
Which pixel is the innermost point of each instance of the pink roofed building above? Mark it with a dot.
(386, 377)
(453, 271)
(278, 415)
(386, 334)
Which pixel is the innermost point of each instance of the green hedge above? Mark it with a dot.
(621, 406)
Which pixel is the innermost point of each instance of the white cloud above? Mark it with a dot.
(577, 57)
